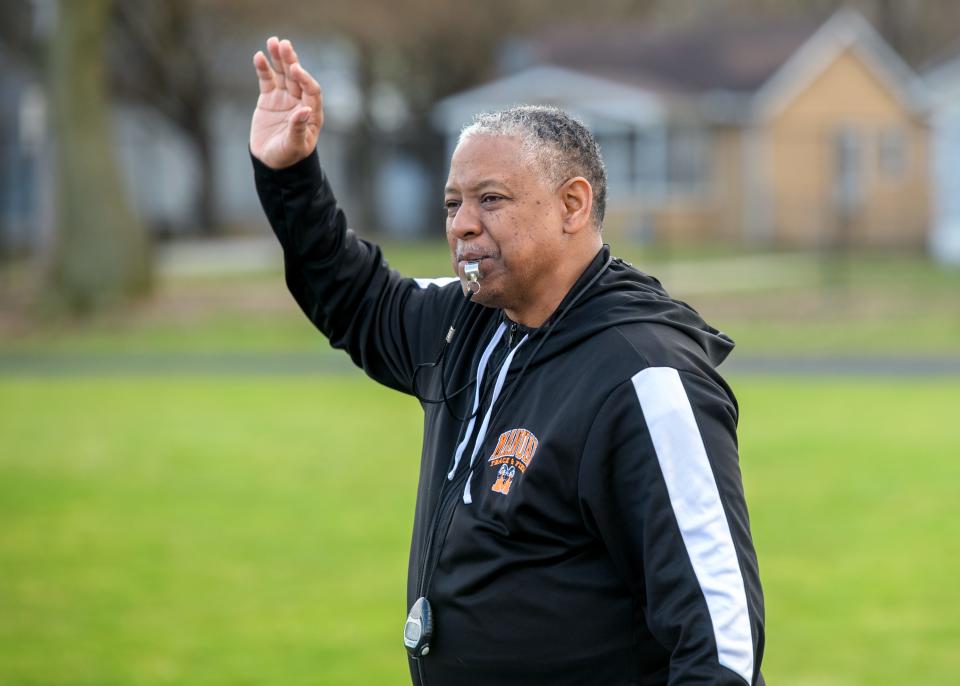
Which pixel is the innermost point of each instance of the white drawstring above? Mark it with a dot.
(481, 369)
(482, 433)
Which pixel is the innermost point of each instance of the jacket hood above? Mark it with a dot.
(612, 292)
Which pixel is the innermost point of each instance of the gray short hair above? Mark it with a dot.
(557, 145)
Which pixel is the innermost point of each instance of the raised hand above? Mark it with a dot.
(289, 111)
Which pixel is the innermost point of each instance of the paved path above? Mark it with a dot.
(843, 366)
(240, 255)
(308, 363)
(218, 256)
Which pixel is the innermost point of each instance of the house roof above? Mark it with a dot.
(845, 30)
(734, 71)
(942, 77)
(737, 66)
(735, 55)
(600, 102)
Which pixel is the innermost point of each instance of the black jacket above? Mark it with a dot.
(601, 535)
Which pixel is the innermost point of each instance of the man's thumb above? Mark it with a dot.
(300, 119)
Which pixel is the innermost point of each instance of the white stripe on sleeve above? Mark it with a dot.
(699, 512)
(439, 282)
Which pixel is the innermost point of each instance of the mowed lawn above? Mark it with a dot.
(247, 530)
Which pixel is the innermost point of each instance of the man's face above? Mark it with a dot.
(501, 213)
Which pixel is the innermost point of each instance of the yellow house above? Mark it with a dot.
(799, 135)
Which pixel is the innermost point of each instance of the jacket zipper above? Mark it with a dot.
(444, 515)
(446, 508)
(447, 496)
(448, 492)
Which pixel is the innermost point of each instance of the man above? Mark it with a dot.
(580, 515)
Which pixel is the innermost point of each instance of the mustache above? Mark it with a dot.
(470, 254)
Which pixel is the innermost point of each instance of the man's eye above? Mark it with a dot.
(491, 197)
(451, 205)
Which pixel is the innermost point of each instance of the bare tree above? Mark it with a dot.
(427, 49)
(101, 251)
(158, 59)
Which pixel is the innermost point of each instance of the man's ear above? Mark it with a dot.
(576, 197)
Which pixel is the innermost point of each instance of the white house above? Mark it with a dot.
(796, 132)
(943, 81)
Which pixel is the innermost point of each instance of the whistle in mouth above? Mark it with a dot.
(472, 271)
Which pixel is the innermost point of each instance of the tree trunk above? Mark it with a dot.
(362, 159)
(207, 218)
(101, 251)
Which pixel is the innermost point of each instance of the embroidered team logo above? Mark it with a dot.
(514, 451)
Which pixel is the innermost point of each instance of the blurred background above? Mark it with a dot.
(194, 489)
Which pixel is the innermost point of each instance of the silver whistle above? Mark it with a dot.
(471, 270)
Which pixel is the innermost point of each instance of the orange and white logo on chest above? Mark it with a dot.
(515, 450)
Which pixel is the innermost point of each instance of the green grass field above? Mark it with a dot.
(254, 530)
(776, 303)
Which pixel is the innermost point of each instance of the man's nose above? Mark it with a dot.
(465, 223)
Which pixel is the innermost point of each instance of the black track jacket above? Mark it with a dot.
(601, 535)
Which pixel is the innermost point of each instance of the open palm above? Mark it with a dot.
(289, 111)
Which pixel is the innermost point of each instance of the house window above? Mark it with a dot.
(686, 162)
(649, 162)
(617, 152)
(892, 153)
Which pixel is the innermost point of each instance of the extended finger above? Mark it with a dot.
(288, 57)
(276, 62)
(312, 94)
(264, 72)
